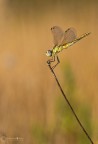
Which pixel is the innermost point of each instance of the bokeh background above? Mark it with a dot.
(31, 105)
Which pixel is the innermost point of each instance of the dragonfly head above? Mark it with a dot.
(49, 53)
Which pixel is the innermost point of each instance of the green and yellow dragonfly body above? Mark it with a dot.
(62, 40)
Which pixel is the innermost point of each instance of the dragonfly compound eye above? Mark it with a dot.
(49, 53)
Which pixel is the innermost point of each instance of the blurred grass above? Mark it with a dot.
(65, 124)
(67, 120)
(38, 9)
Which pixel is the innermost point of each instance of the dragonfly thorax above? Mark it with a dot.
(49, 53)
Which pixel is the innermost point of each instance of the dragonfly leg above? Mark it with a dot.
(51, 60)
(58, 61)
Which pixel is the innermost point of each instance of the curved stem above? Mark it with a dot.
(79, 122)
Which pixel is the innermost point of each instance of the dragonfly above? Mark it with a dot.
(62, 40)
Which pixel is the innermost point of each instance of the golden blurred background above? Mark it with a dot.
(31, 105)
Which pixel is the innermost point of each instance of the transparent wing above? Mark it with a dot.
(58, 35)
(69, 36)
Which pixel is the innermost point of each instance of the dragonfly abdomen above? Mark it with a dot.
(74, 41)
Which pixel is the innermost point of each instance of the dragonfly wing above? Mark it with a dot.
(69, 36)
(58, 35)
